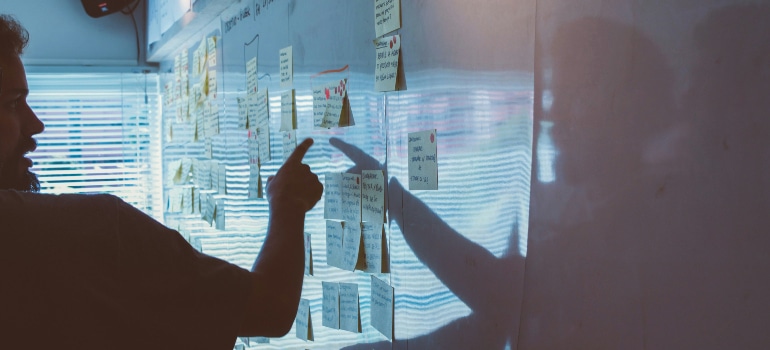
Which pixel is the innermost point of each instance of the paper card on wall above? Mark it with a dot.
(219, 214)
(255, 182)
(331, 304)
(289, 142)
(174, 172)
(382, 307)
(212, 51)
(222, 179)
(212, 84)
(175, 200)
(387, 16)
(208, 148)
(243, 112)
(252, 104)
(253, 146)
(319, 106)
(308, 255)
(202, 51)
(350, 313)
(286, 67)
(388, 72)
(423, 161)
(351, 198)
(288, 111)
(336, 95)
(196, 62)
(333, 196)
(208, 207)
(186, 171)
(373, 196)
(303, 321)
(263, 126)
(202, 174)
(196, 201)
(252, 82)
(214, 174)
(334, 236)
(187, 201)
(352, 252)
(375, 248)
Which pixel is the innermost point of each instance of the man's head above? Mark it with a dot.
(17, 121)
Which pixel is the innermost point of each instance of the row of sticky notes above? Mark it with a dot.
(354, 197)
(341, 309)
(388, 70)
(356, 246)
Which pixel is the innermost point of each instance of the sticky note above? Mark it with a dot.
(334, 235)
(252, 82)
(196, 201)
(375, 247)
(212, 84)
(387, 16)
(303, 321)
(212, 51)
(333, 196)
(253, 146)
(288, 111)
(373, 196)
(219, 214)
(336, 94)
(351, 246)
(289, 139)
(388, 53)
(382, 307)
(331, 304)
(423, 161)
(351, 198)
(286, 67)
(175, 200)
(263, 126)
(243, 112)
(350, 314)
(319, 106)
(308, 255)
(187, 200)
(255, 182)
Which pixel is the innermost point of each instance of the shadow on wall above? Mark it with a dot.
(654, 234)
(489, 287)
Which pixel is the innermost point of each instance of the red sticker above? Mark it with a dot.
(327, 93)
(357, 180)
(391, 44)
(432, 138)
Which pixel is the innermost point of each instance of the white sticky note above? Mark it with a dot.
(243, 112)
(333, 196)
(335, 93)
(252, 81)
(388, 51)
(212, 51)
(303, 321)
(286, 67)
(351, 197)
(382, 307)
(187, 200)
(253, 146)
(308, 255)
(214, 175)
(334, 235)
(175, 200)
(288, 111)
(351, 243)
(374, 247)
(373, 196)
(252, 104)
(212, 87)
(331, 304)
(289, 139)
(255, 182)
(319, 106)
(387, 16)
(263, 126)
(220, 214)
(350, 314)
(423, 161)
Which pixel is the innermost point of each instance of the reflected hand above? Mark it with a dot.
(295, 183)
(362, 160)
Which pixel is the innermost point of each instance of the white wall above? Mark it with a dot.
(61, 33)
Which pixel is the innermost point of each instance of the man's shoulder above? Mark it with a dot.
(15, 204)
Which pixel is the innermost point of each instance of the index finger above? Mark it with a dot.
(299, 152)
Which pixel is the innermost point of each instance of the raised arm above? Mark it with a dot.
(278, 270)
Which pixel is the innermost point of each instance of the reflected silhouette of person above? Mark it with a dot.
(489, 286)
(615, 129)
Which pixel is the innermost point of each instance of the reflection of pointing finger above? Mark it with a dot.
(299, 152)
(352, 152)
